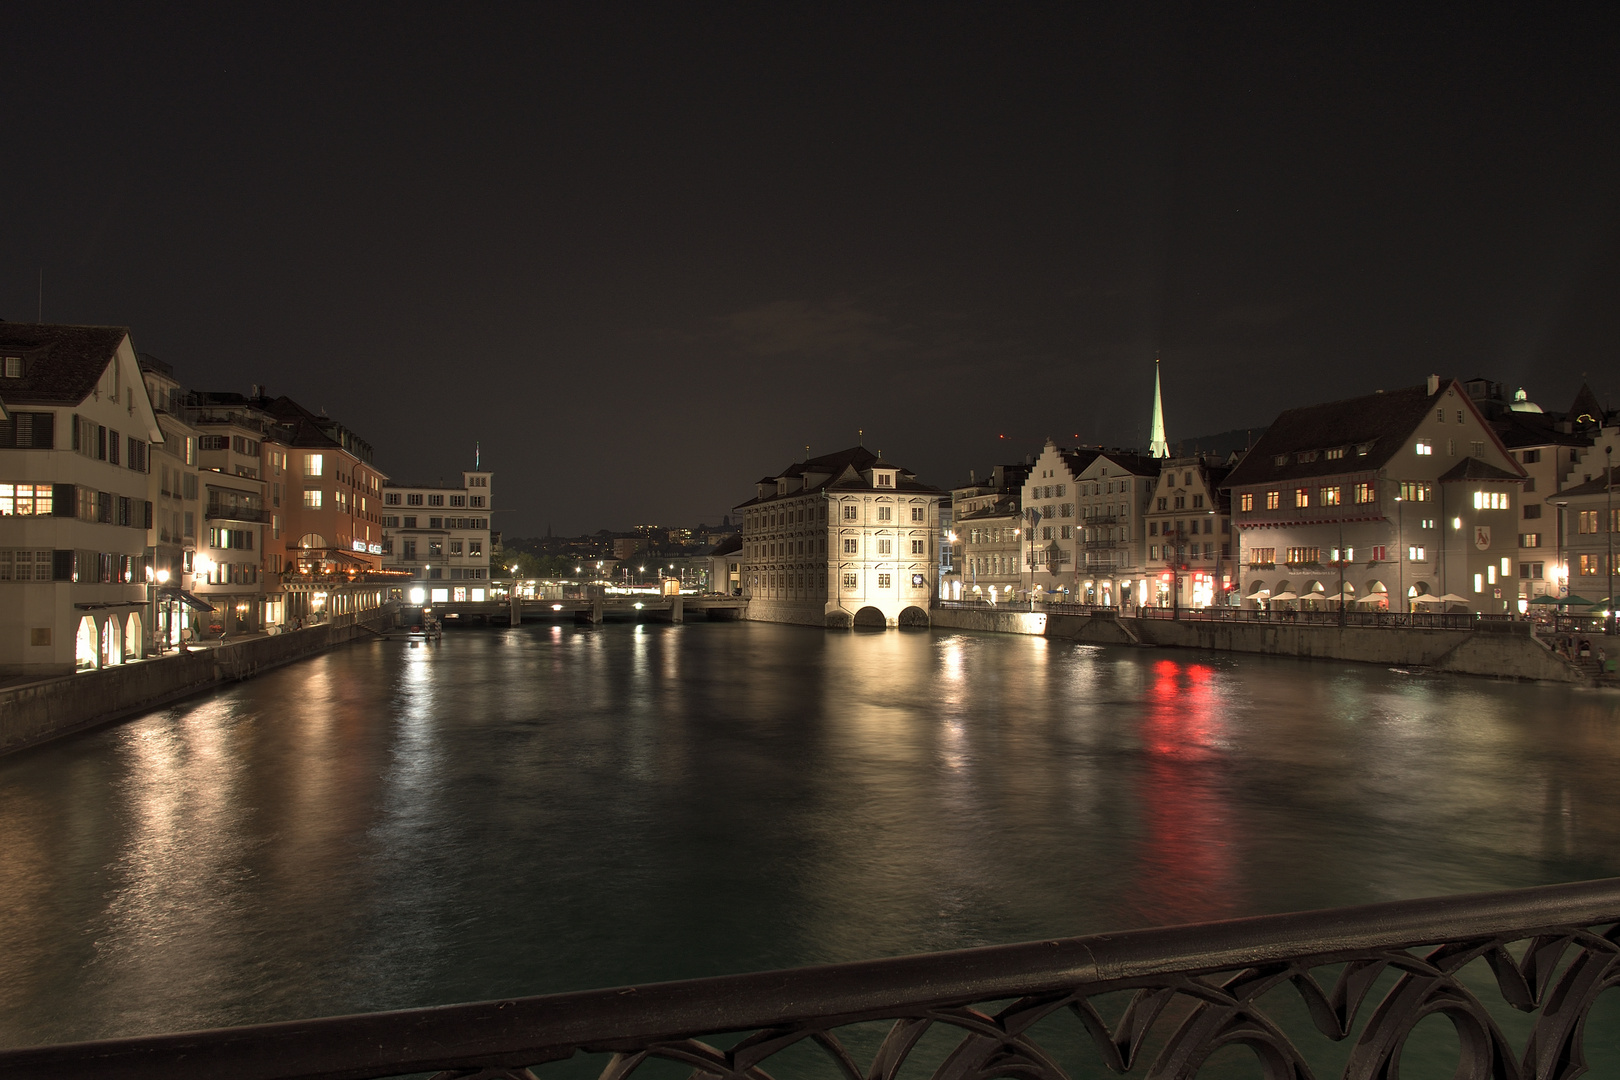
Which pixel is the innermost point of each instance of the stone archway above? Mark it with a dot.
(913, 617)
(871, 618)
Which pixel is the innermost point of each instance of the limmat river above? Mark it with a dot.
(548, 808)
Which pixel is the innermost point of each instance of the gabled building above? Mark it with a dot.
(1402, 495)
(1049, 543)
(1189, 535)
(839, 540)
(238, 559)
(1113, 493)
(76, 435)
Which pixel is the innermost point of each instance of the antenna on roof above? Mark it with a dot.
(860, 436)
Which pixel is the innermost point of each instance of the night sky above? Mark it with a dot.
(646, 254)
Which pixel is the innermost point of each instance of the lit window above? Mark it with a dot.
(314, 464)
(1273, 500)
(1415, 553)
(1302, 497)
(1425, 447)
(1330, 496)
(312, 498)
(1246, 502)
(1479, 585)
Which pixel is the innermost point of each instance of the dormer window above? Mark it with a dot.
(13, 367)
(883, 479)
(1280, 460)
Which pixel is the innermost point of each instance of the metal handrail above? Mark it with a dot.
(1217, 973)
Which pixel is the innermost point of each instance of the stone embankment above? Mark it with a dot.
(36, 712)
(1507, 650)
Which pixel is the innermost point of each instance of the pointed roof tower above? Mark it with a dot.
(1158, 445)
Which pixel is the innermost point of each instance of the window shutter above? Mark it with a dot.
(75, 431)
(148, 518)
(64, 501)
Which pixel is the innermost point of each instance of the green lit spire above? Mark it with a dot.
(1158, 446)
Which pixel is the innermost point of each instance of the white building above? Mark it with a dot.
(440, 533)
(839, 540)
(76, 430)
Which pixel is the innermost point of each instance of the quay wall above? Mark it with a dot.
(1511, 652)
(37, 712)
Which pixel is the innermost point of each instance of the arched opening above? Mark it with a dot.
(86, 651)
(1377, 596)
(112, 642)
(1258, 591)
(914, 617)
(871, 618)
(134, 637)
(1314, 596)
(838, 620)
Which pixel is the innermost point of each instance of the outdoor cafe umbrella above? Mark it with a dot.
(1577, 601)
(1453, 598)
(1346, 597)
(1375, 598)
(1545, 598)
(1283, 596)
(1428, 598)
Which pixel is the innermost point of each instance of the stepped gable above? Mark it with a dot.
(61, 364)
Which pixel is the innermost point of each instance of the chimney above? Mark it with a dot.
(1434, 385)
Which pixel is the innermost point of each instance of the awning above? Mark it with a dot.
(191, 601)
(111, 604)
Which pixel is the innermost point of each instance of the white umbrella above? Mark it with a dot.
(1428, 598)
(1285, 596)
(1375, 598)
(1453, 598)
(1346, 597)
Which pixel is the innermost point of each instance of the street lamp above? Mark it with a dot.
(1400, 542)
(1608, 528)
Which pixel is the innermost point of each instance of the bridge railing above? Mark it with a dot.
(1154, 1002)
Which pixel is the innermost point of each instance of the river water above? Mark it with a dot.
(549, 808)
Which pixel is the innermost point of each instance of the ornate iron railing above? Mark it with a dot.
(1157, 1002)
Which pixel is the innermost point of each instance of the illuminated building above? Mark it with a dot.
(1189, 535)
(842, 539)
(441, 534)
(76, 430)
(1408, 493)
(174, 485)
(987, 527)
(1112, 495)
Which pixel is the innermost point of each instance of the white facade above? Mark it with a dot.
(845, 539)
(441, 535)
(74, 503)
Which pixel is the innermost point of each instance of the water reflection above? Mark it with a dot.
(551, 807)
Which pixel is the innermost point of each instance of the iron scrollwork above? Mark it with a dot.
(1156, 1003)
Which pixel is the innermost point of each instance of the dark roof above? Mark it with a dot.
(61, 364)
(1007, 507)
(840, 471)
(1598, 485)
(1379, 422)
(729, 545)
(1138, 464)
(1521, 429)
(1586, 404)
(1474, 469)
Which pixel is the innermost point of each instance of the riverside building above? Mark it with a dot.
(1189, 535)
(439, 534)
(839, 540)
(76, 431)
(987, 530)
(1407, 495)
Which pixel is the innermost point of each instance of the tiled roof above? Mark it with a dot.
(1598, 485)
(1474, 469)
(1380, 423)
(729, 545)
(842, 470)
(61, 364)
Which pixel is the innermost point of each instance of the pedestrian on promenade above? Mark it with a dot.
(1586, 649)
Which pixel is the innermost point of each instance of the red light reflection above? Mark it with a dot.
(1184, 867)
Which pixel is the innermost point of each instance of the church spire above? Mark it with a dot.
(1158, 446)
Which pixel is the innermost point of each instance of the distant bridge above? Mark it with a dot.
(587, 609)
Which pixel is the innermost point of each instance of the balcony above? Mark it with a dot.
(231, 512)
(1322, 993)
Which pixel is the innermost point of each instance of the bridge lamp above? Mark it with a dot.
(556, 607)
